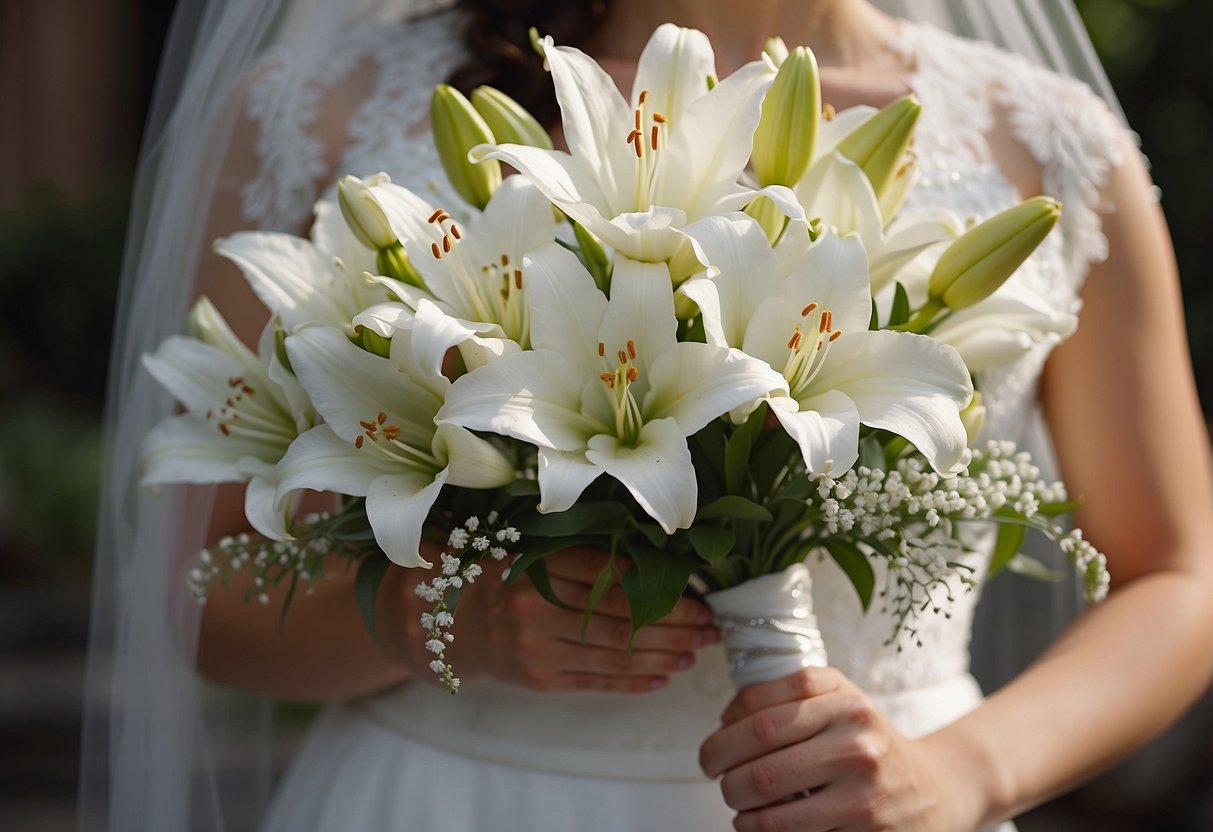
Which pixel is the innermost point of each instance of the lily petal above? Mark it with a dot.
(472, 462)
(397, 506)
(566, 306)
(738, 249)
(290, 275)
(320, 460)
(562, 478)
(834, 274)
(674, 68)
(911, 385)
(696, 383)
(186, 449)
(658, 471)
(641, 311)
(826, 427)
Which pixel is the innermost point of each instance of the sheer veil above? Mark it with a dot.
(162, 751)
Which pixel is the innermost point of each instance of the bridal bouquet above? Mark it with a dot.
(703, 339)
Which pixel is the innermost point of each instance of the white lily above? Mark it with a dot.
(300, 280)
(812, 326)
(608, 388)
(836, 191)
(379, 440)
(637, 175)
(473, 273)
(241, 415)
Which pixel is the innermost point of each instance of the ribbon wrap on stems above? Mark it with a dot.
(768, 626)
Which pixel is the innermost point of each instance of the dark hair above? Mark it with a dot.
(496, 34)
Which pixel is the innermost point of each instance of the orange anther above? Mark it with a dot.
(808, 310)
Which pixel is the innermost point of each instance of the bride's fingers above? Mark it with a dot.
(763, 732)
(616, 633)
(577, 658)
(805, 683)
(780, 775)
(815, 812)
(614, 603)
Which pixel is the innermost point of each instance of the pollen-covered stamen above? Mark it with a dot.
(646, 138)
(618, 381)
(378, 436)
(248, 415)
(488, 291)
(806, 355)
(828, 112)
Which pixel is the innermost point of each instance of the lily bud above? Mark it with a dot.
(373, 342)
(769, 216)
(973, 417)
(363, 213)
(982, 258)
(776, 50)
(787, 129)
(392, 261)
(457, 129)
(508, 120)
(879, 145)
(207, 324)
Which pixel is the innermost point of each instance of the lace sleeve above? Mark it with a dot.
(1078, 142)
(355, 107)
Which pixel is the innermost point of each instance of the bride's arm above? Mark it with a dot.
(1122, 406)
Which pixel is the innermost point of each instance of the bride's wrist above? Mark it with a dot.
(969, 778)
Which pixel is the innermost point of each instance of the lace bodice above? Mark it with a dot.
(966, 88)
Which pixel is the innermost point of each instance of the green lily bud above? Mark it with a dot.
(392, 261)
(879, 144)
(787, 129)
(457, 129)
(982, 258)
(508, 120)
(363, 213)
(973, 417)
(776, 50)
(373, 342)
(280, 347)
(768, 216)
(594, 256)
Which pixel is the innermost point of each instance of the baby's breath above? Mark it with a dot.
(909, 515)
(457, 568)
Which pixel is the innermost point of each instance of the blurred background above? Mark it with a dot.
(75, 79)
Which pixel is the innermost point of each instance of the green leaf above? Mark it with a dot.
(538, 551)
(366, 588)
(776, 451)
(856, 565)
(601, 584)
(711, 441)
(1057, 509)
(737, 450)
(654, 584)
(522, 488)
(733, 507)
(1006, 546)
(1030, 567)
(871, 453)
(286, 603)
(900, 313)
(874, 320)
(583, 518)
(652, 533)
(538, 573)
(712, 543)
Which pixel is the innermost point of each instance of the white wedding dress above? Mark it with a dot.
(502, 758)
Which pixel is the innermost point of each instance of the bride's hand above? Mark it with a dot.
(812, 752)
(514, 635)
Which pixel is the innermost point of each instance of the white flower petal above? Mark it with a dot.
(674, 67)
(397, 506)
(641, 311)
(826, 427)
(321, 461)
(834, 274)
(566, 307)
(348, 385)
(260, 506)
(472, 462)
(658, 471)
(737, 247)
(333, 237)
(290, 276)
(562, 478)
(195, 373)
(187, 449)
(710, 145)
(522, 396)
(695, 383)
(837, 191)
(517, 219)
(1003, 327)
(911, 385)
